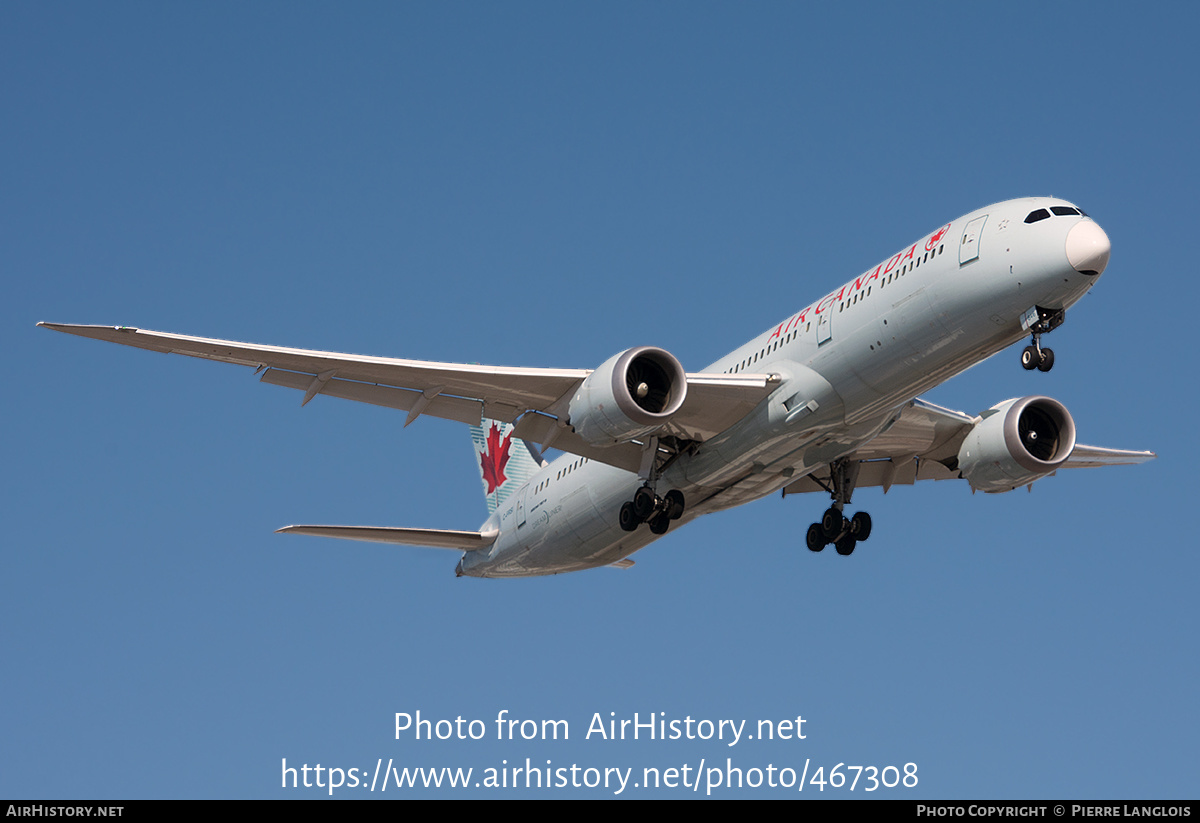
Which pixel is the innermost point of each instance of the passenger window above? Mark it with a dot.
(1035, 216)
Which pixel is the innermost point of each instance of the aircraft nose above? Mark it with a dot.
(1088, 248)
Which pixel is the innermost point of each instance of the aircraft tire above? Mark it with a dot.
(845, 545)
(832, 523)
(815, 539)
(860, 526)
(659, 523)
(1047, 362)
(1029, 358)
(674, 500)
(628, 520)
(643, 503)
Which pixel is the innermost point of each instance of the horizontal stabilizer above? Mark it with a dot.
(434, 538)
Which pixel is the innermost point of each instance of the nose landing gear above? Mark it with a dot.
(1035, 357)
(1043, 322)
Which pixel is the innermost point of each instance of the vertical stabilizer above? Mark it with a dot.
(505, 462)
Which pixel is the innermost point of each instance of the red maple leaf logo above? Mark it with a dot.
(495, 458)
(937, 237)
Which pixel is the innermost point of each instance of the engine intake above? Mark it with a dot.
(632, 394)
(1017, 442)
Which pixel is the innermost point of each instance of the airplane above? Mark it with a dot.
(825, 400)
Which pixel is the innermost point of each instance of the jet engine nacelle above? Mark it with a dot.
(1017, 442)
(631, 395)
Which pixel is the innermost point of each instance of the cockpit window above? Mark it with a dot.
(1063, 210)
(1034, 216)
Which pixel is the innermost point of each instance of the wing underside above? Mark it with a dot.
(922, 443)
(536, 399)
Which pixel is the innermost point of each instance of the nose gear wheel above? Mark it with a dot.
(1034, 356)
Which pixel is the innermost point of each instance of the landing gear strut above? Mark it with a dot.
(843, 532)
(648, 507)
(1034, 356)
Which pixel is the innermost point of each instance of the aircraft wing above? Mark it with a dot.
(1090, 457)
(925, 438)
(453, 391)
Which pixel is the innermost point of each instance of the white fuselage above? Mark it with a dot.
(848, 362)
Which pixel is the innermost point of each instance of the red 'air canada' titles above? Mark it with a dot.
(859, 283)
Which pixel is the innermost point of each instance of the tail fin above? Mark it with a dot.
(505, 462)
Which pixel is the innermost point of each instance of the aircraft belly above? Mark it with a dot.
(804, 406)
(607, 545)
(572, 531)
(789, 463)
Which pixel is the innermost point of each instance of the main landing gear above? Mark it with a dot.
(1034, 356)
(843, 532)
(648, 507)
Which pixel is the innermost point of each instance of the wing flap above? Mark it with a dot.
(462, 409)
(885, 473)
(924, 429)
(433, 538)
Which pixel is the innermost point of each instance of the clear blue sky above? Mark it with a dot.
(546, 185)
